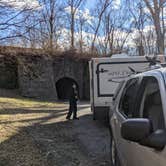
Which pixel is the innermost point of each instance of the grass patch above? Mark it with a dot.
(24, 102)
(16, 114)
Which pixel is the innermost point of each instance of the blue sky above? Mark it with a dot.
(90, 3)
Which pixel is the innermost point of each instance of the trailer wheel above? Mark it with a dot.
(94, 115)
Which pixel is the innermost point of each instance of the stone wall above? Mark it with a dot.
(8, 72)
(70, 68)
(36, 79)
(36, 75)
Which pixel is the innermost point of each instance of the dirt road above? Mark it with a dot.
(39, 135)
(72, 143)
(93, 136)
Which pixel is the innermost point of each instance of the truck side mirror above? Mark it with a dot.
(140, 131)
(136, 129)
(156, 140)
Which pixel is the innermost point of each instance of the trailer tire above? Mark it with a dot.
(94, 115)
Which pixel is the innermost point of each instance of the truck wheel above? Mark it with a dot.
(113, 153)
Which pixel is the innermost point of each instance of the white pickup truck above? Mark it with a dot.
(138, 120)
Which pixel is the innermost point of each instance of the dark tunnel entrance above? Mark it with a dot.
(63, 87)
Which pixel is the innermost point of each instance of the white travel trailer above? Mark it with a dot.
(105, 76)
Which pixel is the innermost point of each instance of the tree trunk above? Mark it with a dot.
(160, 35)
(72, 24)
(155, 10)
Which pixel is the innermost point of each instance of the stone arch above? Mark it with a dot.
(63, 87)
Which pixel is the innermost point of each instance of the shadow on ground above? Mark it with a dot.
(41, 136)
(43, 145)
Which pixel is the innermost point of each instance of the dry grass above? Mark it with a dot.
(16, 114)
(7, 102)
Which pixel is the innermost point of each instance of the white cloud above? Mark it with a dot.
(149, 28)
(64, 39)
(85, 15)
(81, 15)
(146, 10)
(20, 4)
(116, 4)
(68, 9)
(135, 35)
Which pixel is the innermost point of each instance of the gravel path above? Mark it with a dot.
(73, 143)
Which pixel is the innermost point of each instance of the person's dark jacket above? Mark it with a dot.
(73, 96)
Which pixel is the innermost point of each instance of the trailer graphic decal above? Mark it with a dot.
(108, 71)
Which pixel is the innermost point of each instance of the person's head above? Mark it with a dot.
(74, 86)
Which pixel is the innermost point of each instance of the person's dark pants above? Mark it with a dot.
(72, 109)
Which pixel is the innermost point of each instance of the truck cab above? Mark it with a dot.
(138, 121)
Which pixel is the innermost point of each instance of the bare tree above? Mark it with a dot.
(49, 16)
(48, 24)
(156, 8)
(139, 20)
(74, 6)
(112, 34)
(11, 19)
(101, 8)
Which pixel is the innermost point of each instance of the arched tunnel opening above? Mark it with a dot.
(63, 87)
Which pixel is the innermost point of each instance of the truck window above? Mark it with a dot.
(118, 90)
(151, 104)
(127, 101)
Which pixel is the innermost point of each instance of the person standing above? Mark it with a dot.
(73, 103)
